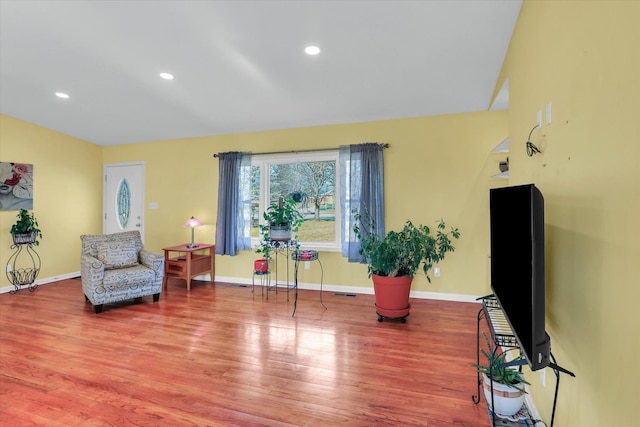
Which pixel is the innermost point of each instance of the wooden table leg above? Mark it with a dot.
(213, 264)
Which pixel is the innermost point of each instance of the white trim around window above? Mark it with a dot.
(266, 161)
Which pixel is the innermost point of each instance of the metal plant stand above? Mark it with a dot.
(503, 336)
(282, 247)
(23, 266)
(306, 255)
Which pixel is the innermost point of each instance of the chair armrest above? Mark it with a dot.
(91, 270)
(153, 260)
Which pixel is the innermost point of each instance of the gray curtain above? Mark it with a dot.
(361, 189)
(233, 228)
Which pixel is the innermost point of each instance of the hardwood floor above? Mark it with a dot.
(222, 356)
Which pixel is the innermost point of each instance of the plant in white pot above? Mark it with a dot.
(282, 219)
(508, 382)
(395, 257)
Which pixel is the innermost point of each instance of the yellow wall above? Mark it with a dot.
(67, 198)
(584, 56)
(436, 167)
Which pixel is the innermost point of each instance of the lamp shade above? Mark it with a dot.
(192, 222)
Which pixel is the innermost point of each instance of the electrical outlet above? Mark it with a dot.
(436, 272)
(307, 265)
(543, 377)
(539, 122)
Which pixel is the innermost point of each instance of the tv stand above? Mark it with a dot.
(502, 336)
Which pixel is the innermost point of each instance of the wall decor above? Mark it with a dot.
(16, 186)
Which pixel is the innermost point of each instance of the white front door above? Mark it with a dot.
(123, 198)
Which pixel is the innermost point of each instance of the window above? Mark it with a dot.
(311, 180)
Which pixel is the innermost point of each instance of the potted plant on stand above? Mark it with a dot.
(25, 230)
(25, 234)
(506, 382)
(394, 258)
(283, 220)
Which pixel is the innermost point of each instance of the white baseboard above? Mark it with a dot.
(357, 289)
(444, 296)
(44, 281)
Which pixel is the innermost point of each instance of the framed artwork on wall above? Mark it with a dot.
(16, 186)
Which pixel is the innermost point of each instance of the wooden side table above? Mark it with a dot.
(185, 263)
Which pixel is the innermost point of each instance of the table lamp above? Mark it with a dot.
(193, 223)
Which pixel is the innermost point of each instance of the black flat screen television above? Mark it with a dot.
(517, 267)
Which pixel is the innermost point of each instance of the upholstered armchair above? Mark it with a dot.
(116, 267)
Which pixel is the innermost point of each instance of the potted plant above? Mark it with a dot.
(506, 382)
(283, 219)
(395, 257)
(25, 230)
(261, 266)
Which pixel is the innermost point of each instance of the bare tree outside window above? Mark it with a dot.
(311, 184)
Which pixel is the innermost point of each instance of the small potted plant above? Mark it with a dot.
(395, 257)
(25, 230)
(283, 219)
(261, 266)
(508, 382)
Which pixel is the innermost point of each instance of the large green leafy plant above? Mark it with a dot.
(404, 252)
(27, 224)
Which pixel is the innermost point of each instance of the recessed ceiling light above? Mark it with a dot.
(312, 50)
(166, 76)
(62, 95)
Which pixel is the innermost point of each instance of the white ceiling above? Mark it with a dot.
(240, 65)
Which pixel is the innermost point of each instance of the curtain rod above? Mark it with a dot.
(312, 150)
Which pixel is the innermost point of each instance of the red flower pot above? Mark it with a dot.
(261, 265)
(392, 296)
